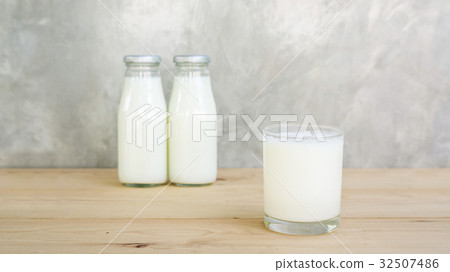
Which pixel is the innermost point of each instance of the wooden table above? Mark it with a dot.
(82, 210)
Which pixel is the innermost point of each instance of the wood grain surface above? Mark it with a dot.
(82, 210)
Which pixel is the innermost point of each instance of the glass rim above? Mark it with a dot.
(335, 131)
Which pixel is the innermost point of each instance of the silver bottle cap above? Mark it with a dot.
(192, 58)
(142, 59)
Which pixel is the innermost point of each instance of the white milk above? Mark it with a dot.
(311, 171)
(138, 162)
(190, 162)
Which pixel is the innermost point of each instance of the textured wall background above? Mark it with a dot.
(381, 71)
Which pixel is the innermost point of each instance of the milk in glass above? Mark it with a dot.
(302, 181)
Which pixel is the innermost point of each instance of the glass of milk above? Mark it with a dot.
(302, 179)
(142, 119)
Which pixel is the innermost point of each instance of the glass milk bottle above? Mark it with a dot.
(142, 119)
(192, 153)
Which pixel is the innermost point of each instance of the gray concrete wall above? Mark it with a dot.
(380, 71)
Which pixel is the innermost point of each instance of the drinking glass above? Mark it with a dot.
(302, 179)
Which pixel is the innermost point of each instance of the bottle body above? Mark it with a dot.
(142, 117)
(192, 153)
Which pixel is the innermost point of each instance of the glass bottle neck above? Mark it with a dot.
(185, 68)
(141, 69)
(191, 64)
